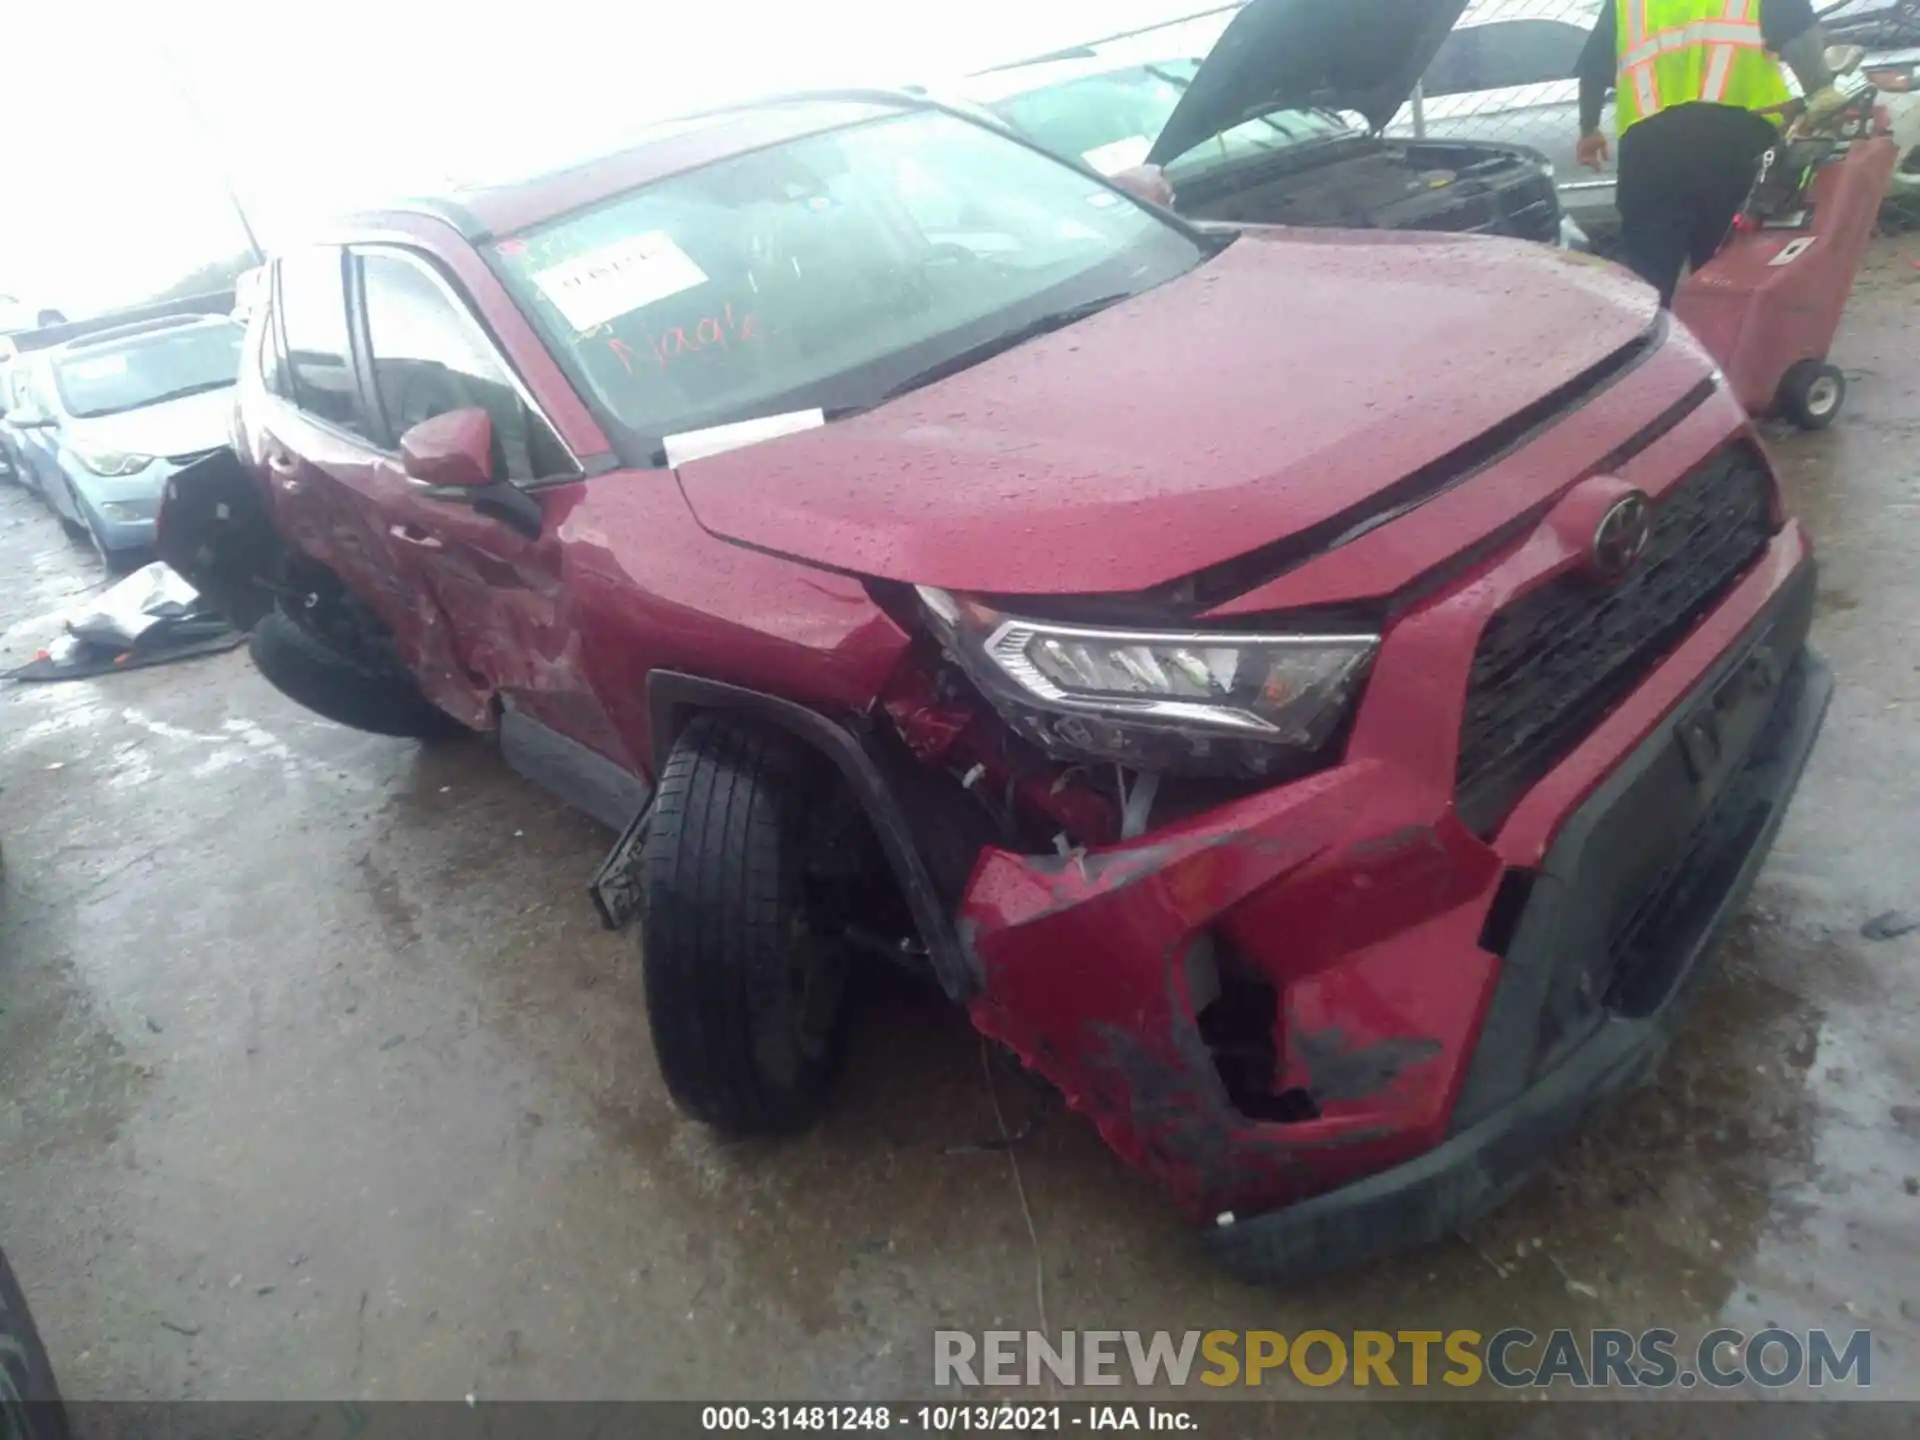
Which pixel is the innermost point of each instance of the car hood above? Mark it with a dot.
(1292, 378)
(186, 426)
(1361, 55)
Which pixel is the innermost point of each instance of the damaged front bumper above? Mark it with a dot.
(1477, 1167)
(1438, 1009)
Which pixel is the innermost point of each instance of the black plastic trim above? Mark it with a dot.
(1454, 566)
(673, 699)
(1546, 939)
(1430, 1198)
(1193, 595)
(583, 778)
(1432, 480)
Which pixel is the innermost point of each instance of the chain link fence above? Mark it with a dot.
(1507, 74)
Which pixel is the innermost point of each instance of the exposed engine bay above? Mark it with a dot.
(1366, 183)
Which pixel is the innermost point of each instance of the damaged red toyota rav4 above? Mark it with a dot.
(1317, 697)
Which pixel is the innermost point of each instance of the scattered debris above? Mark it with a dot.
(1912, 1184)
(263, 1290)
(396, 1040)
(1574, 1287)
(1891, 925)
(151, 617)
(153, 1025)
(178, 1328)
(1497, 1267)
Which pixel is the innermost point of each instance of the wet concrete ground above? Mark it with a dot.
(317, 1077)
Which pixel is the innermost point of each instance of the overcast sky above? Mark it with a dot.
(114, 177)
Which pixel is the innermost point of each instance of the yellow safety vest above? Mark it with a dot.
(1674, 52)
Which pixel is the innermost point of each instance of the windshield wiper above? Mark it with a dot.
(976, 354)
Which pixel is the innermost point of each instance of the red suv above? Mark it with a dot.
(1316, 696)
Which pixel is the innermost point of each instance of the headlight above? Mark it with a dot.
(1196, 701)
(112, 462)
(125, 510)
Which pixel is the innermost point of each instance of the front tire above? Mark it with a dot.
(1812, 394)
(745, 985)
(349, 690)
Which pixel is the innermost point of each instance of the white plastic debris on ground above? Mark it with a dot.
(124, 612)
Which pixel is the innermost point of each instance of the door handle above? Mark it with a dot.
(286, 470)
(411, 535)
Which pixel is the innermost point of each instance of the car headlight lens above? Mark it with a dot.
(125, 510)
(113, 462)
(1203, 702)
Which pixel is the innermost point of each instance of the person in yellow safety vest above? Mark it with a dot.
(1699, 97)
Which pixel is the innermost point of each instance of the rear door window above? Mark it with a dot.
(312, 308)
(430, 355)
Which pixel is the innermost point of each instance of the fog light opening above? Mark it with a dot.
(1238, 1027)
(1503, 916)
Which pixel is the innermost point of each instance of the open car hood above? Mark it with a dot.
(1360, 55)
(1273, 391)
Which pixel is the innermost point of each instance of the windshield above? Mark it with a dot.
(826, 272)
(1111, 120)
(147, 369)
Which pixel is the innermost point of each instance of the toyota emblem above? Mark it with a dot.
(1621, 537)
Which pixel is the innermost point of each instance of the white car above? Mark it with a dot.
(1268, 113)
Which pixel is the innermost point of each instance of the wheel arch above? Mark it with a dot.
(675, 699)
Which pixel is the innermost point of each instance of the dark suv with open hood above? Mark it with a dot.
(1244, 110)
(1317, 696)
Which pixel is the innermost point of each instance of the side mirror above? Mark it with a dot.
(451, 449)
(454, 452)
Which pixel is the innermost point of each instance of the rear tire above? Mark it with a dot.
(29, 1398)
(342, 688)
(1812, 394)
(745, 988)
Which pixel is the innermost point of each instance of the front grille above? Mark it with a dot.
(1551, 665)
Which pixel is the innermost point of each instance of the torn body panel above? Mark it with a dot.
(1353, 911)
(1098, 967)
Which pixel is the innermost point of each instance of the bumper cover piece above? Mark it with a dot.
(1496, 1146)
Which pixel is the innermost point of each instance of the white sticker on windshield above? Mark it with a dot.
(618, 279)
(1120, 155)
(699, 444)
(95, 367)
(1103, 199)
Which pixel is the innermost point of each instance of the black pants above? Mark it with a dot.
(1684, 174)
